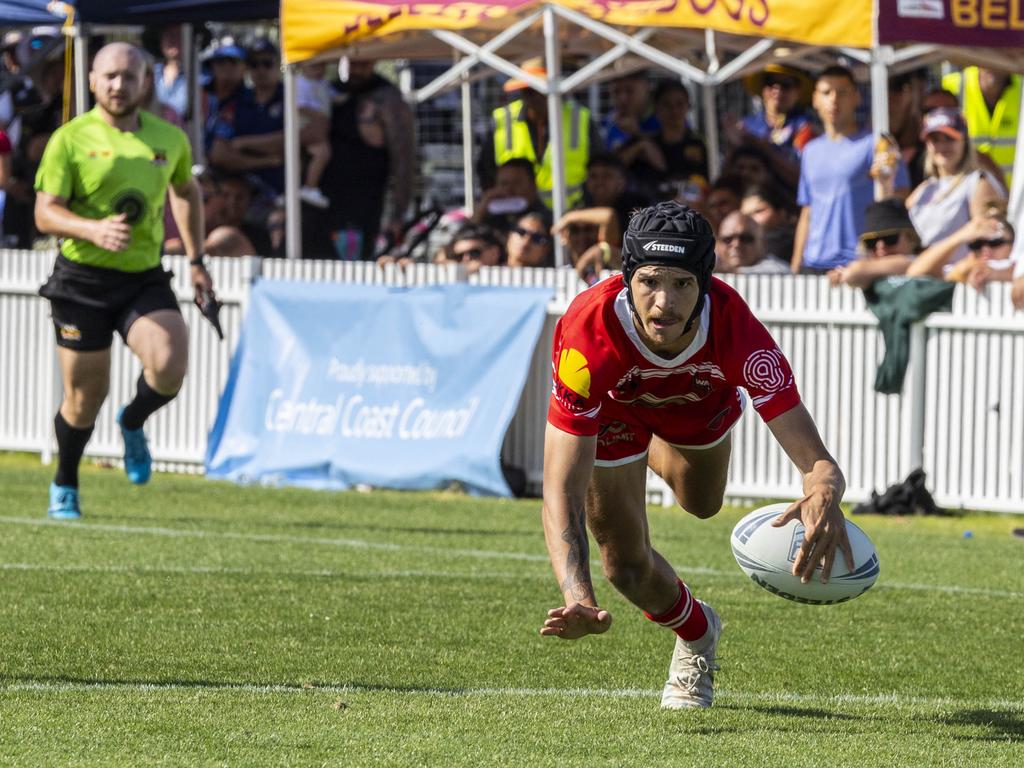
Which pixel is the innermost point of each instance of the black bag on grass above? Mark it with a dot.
(907, 498)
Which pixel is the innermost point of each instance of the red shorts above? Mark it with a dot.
(625, 431)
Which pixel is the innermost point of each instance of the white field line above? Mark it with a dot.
(981, 591)
(326, 573)
(872, 699)
(271, 537)
(446, 551)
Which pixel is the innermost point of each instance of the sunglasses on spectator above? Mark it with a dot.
(473, 253)
(537, 238)
(783, 82)
(890, 240)
(977, 245)
(263, 64)
(744, 237)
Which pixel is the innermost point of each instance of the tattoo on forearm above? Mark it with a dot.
(577, 561)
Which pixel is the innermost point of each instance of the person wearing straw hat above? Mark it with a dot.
(784, 123)
(521, 130)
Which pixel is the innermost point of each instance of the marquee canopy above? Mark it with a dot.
(315, 27)
(707, 42)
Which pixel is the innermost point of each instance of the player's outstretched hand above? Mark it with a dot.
(575, 621)
(112, 233)
(824, 533)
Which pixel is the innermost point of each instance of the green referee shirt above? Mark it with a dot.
(102, 171)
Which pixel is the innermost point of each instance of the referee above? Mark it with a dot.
(101, 187)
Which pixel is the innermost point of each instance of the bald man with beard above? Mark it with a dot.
(740, 248)
(101, 187)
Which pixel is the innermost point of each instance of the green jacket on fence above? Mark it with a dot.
(898, 302)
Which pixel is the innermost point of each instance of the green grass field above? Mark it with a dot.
(199, 623)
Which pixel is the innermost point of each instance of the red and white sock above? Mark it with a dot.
(686, 618)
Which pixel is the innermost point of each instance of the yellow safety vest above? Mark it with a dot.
(994, 133)
(512, 139)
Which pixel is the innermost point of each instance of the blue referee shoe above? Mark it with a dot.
(138, 464)
(64, 502)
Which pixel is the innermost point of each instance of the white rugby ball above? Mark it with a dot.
(766, 554)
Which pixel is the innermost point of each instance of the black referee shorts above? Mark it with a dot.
(88, 304)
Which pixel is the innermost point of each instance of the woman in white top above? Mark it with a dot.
(954, 192)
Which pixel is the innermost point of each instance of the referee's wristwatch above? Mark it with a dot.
(198, 261)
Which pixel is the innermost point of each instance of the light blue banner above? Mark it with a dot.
(413, 388)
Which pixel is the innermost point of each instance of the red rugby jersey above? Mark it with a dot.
(598, 356)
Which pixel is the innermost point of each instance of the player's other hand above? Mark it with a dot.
(575, 621)
(112, 233)
(824, 533)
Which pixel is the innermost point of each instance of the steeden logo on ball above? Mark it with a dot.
(767, 553)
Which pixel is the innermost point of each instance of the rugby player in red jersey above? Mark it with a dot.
(648, 368)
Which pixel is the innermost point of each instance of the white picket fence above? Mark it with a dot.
(961, 416)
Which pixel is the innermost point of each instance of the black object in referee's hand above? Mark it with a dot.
(210, 308)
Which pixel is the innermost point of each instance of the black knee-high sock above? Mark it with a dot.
(147, 400)
(71, 445)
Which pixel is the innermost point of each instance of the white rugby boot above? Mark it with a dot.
(691, 675)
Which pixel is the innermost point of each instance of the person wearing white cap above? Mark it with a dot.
(955, 189)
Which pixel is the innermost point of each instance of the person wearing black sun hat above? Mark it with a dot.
(888, 245)
(101, 187)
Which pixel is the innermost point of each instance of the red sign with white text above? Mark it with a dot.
(987, 23)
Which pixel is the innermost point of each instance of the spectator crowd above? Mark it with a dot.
(805, 187)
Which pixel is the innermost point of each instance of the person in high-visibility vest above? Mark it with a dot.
(521, 130)
(991, 105)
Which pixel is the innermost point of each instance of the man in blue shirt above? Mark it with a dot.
(253, 142)
(835, 182)
(226, 63)
(632, 115)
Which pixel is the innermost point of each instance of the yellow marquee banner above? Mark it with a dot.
(815, 22)
(312, 27)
